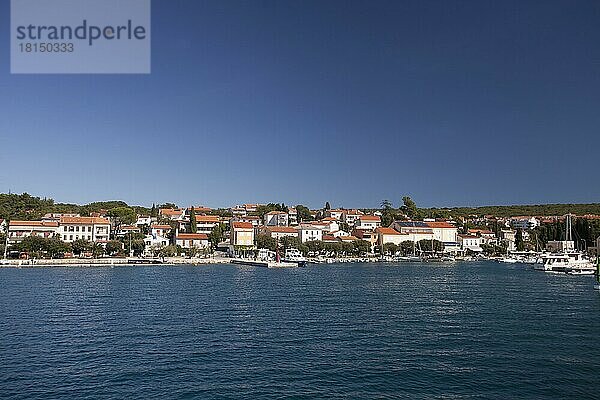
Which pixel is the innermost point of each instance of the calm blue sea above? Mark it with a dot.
(471, 331)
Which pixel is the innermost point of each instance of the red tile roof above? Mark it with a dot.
(242, 225)
(155, 226)
(444, 225)
(387, 231)
(84, 221)
(49, 224)
(369, 218)
(207, 218)
(282, 229)
(170, 211)
(192, 236)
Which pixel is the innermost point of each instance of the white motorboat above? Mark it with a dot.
(294, 256)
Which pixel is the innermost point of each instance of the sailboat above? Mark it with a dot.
(568, 261)
(597, 284)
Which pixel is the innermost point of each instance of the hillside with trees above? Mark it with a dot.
(26, 207)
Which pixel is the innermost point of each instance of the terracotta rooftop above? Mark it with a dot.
(242, 225)
(192, 236)
(156, 226)
(369, 218)
(387, 231)
(84, 221)
(49, 224)
(282, 229)
(207, 218)
(440, 225)
(170, 211)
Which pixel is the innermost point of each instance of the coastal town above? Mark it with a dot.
(274, 231)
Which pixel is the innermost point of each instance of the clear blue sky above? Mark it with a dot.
(451, 102)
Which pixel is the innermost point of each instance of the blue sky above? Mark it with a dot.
(451, 102)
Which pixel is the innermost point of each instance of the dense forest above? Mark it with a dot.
(533, 210)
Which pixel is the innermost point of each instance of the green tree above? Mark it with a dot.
(56, 248)
(314, 246)
(388, 214)
(154, 211)
(169, 251)
(264, 241)
(519, 242)
(426, 245)
(333, 248)
(347, 248)
(193, 223)
(33, 245)
(327, 206)
(81, 246)
(114, 247)
(216, 235)
(303, 213)
(97, 250)
(407, 247)
(121, 216)
(290, 242)
(409, 207)
(361, 247)
(390, 248)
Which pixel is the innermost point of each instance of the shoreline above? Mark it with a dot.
(110, 262)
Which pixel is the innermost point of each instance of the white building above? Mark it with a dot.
(206, 223)
(389, 235)
(443, 231)
(242, 234)
(276, 218)
(144, 220)
(487, 236)
(468, 242)
(160, 230)
(92, 229)
(330, 224)
(350, 216)
(155, 242)
(368, 222)
(509, 237)
(416, 230)
(335, 214)
(192, 240)
(251, 219)
(172, 214)
(279, 232)
(308, 232)
(292, 216)
(19, 230)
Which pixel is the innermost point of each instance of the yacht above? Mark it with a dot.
(294, 256)
(572, 262)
